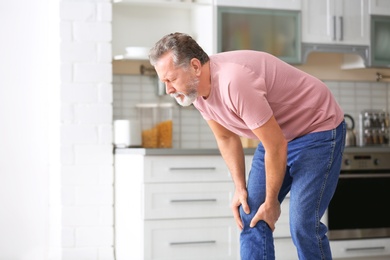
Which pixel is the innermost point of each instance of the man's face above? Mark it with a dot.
(180, 83)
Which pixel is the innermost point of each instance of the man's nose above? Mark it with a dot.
(169, 89)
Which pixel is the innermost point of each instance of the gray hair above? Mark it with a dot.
(183, 48)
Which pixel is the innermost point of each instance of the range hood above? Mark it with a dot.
(355, 56)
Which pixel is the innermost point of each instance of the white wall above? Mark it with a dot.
(86, 130)
(29, 133)
(56, 160)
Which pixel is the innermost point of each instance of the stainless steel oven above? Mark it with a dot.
(360, 205)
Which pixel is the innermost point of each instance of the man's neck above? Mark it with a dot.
(205, 81)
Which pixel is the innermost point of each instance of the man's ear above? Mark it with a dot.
(196, 65)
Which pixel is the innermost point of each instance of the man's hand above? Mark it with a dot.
(239, 198)
(269, 212)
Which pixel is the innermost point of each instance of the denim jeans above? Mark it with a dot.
(312, 171)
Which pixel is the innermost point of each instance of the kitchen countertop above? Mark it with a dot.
(247, 151)
(174, 151)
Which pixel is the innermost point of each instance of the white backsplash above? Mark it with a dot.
(189, 128)
(191, 131)
(355, 97)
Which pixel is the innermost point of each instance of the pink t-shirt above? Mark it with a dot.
(248, 87)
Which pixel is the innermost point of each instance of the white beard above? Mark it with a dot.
(186, 100)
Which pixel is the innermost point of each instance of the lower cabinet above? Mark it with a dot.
(174, 207)
(177, 207)
(361, 249)
(285, 249)
(208, 239)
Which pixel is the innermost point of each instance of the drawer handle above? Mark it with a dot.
(365, 248)
(192, 169)
(192, 242)
(194, 200)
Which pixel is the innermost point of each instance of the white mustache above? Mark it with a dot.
(176, 94)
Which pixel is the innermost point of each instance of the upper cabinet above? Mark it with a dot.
(335, 22)
(264, 4)
(379, 7)
(380, 33)
(141, 23)
(380, 41)
(289, 29)
(262, 25)
(270, 30)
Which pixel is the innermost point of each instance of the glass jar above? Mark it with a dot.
(165, 125)
(156, 125)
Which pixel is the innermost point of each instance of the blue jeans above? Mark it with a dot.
(312, 172)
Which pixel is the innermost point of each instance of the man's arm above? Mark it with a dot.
(230, 146)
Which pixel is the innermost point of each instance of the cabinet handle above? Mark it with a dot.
(364, 248)
(341, 28)
(192, 242)
(193, 200)
(334, 27)
(192, 169)
(362, 175)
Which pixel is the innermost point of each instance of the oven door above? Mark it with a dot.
(360, 206)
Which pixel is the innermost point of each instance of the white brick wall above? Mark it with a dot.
(86, 130)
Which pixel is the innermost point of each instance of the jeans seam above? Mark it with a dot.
(333, 145)
(265, 242)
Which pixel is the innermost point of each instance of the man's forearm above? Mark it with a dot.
(233, 154)
(275, 167)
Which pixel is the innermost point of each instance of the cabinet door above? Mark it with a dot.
(285, 249)
(379, 7)
(273, 31)
(169, 169)
(335, 22)
(317, 21)
(195, 239)
(354, 24)
(187, 200)
(364, 248)
(269, 4)
(282, 229)
(380, 40)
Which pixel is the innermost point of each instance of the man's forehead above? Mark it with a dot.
(166, 59)
(165, 65)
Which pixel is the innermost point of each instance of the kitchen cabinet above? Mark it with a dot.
(284, 246)
(167, 206)
(140, 23)
(361, 248)
(266, 4)
(380, 39)
(273, 31)
(379, 7)
(344, 22)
